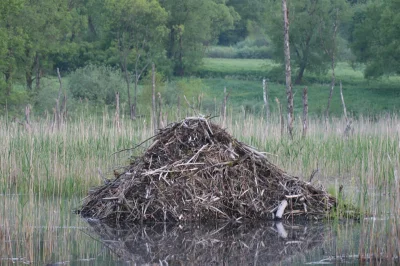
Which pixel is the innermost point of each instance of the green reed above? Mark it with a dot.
(51, 163)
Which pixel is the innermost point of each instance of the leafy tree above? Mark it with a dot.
(311, 22)
(376, 37)
(137, 28)
(46, 24)
(251, 14)
(12, 39)
(193, 25)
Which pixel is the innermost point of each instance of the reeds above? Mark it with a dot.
(66, 162)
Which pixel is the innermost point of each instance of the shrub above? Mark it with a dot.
(245, 52)
(96, 83)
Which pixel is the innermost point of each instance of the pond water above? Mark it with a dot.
(46, 232)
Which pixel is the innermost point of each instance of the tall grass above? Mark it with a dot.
(65, 161)
(52, 162)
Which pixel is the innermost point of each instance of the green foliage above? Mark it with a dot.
(191, 88)
(96, 83)
(137, 29)
(252, 17)
(376, 37)
(311, 33)
(193, 25)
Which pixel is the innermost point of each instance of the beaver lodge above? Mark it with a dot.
(195, 171)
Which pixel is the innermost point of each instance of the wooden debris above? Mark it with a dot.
(195, 171)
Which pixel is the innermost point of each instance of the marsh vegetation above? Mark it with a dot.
(43, 170)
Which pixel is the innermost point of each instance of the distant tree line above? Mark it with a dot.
(39, 36)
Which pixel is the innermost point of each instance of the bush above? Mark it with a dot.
(97, 83)
(239, 51)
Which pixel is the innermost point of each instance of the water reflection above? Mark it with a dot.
(210, 244)
(39, 231)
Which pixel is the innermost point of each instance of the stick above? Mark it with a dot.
(281, 209)
(265, 96)
(344, 105)
(348, 122)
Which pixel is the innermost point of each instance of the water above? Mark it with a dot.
(46, 232)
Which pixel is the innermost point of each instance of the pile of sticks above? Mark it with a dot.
(195, 171)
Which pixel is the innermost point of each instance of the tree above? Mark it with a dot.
(12, 39)
(193, 26)
(306, 17)
(376, 37)
(251, 13)
(329, 26)
(46, 24)
(137, 28)
(288, 72)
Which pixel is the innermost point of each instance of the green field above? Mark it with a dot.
(243, 79)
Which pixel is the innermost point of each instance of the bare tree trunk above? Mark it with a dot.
(126, 75)
(305, 112)
(28, 126)
(332, 87)
(153, 98)
(134, 107)
(281, 119)
(64, 108)
(265, 96)
(344, 105)
(58, 109)
(226, 95)
(348, 122)
(288, 72)
(160, 123)
(116, 117)
(331, 53)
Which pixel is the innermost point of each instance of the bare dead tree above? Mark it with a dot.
(116, 116)
(305, 112)
(281, 119)
(64, 108)
(332, 55)
(27, 124)
(153, 98)
(160, 122)
(265, 97)
(348, 121)
(288, 72)
(58, 108)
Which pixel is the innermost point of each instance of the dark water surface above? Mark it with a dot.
(46, 232)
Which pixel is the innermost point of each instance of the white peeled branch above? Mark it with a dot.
(281, 209)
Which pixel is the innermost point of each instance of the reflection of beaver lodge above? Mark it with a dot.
(212, 244)
(194, 170)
